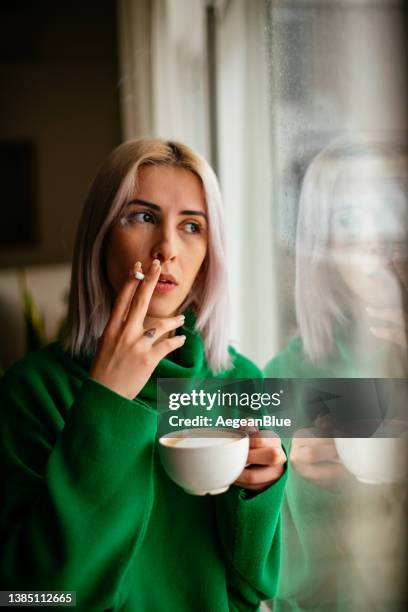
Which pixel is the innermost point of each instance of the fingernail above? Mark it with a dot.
(183, 339)
(181, 318)
(155, 263)
(137, 271)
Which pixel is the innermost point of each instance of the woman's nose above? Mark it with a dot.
(165, 247)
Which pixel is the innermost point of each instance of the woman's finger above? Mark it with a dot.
(324, 423)
(141, 299)
(259, 477)
(123, 300)
(307, 437)
(391, 315)
(311, 454)
(264, 439)
(397, 336)
(163, 326)
(266, 456)
(167, 346)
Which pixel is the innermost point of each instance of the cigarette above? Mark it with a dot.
(139, 275)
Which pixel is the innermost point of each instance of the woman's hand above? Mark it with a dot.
(392, 323)
(267, 459)
(126, 358)
(315, 458)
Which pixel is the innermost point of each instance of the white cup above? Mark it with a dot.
(204, 460)
(376, 460)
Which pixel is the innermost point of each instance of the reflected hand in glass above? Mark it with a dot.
(391, 323)
(315, 457)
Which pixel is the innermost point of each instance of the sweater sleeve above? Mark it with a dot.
(249, 528)
(250, 533)
(77, 500)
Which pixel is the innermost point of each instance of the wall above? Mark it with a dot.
(59, 84)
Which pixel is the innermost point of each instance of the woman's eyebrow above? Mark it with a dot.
(157, 207)
(145, 203)
(194, 212)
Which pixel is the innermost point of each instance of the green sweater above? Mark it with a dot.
(319, 571)
(310, 567)
(88, 507)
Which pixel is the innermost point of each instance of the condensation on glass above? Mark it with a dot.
(338, 106)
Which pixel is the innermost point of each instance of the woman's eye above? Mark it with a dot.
(192, 228)
(144, 217)
(137, 217)
(350, 221)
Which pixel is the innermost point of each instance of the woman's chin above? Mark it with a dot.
(162, 312)
(162, 306)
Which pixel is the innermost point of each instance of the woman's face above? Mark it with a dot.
(369, 226)
(166, 220)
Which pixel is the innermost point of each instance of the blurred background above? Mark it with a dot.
(259, 87)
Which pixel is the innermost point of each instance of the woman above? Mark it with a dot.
(351, 275)
(351, 287)
(88, 507)
(351, 254)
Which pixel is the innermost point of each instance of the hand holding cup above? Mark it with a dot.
(265, 463)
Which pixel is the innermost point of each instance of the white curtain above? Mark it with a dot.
(135, 80)
(179, 72)
(245, 169)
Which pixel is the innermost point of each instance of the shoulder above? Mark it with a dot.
(35, 396)
(45, 362)
(289, 363)
(40, 379)
(242, 367)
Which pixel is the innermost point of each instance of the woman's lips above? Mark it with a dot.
(164, 286)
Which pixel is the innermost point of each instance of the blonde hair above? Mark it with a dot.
(90, 300)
